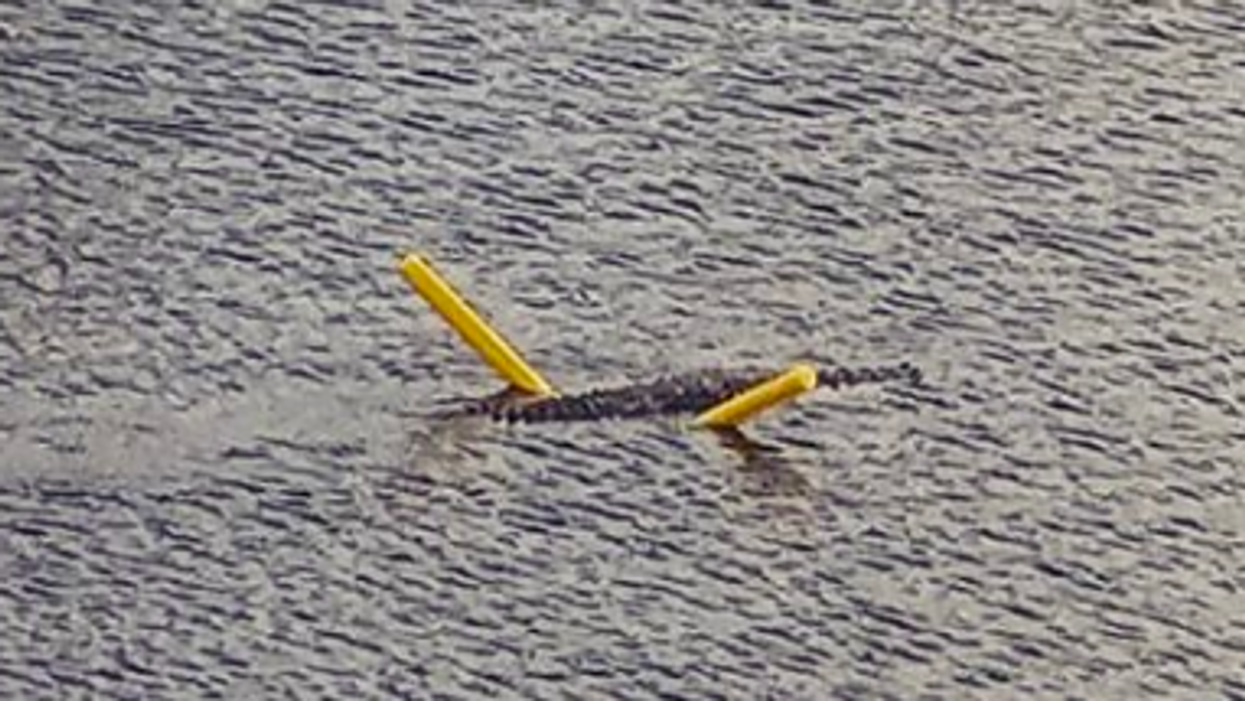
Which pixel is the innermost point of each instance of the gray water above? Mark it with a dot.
(217, 478)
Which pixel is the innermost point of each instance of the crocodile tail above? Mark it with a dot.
(842, 377)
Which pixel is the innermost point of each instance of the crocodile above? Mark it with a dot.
(672, 395)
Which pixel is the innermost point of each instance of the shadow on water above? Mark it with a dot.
(459, 443)
(764, 469)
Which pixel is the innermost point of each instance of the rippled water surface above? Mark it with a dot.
(217, 478)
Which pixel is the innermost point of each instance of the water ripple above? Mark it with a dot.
(216, 477)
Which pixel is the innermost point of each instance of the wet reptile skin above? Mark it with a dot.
(688, 393)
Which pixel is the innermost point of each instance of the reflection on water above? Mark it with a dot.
(217, 472)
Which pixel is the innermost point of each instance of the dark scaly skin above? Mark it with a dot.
(689, 393)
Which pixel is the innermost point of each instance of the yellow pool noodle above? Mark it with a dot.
(487, 342)
(799, 379)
